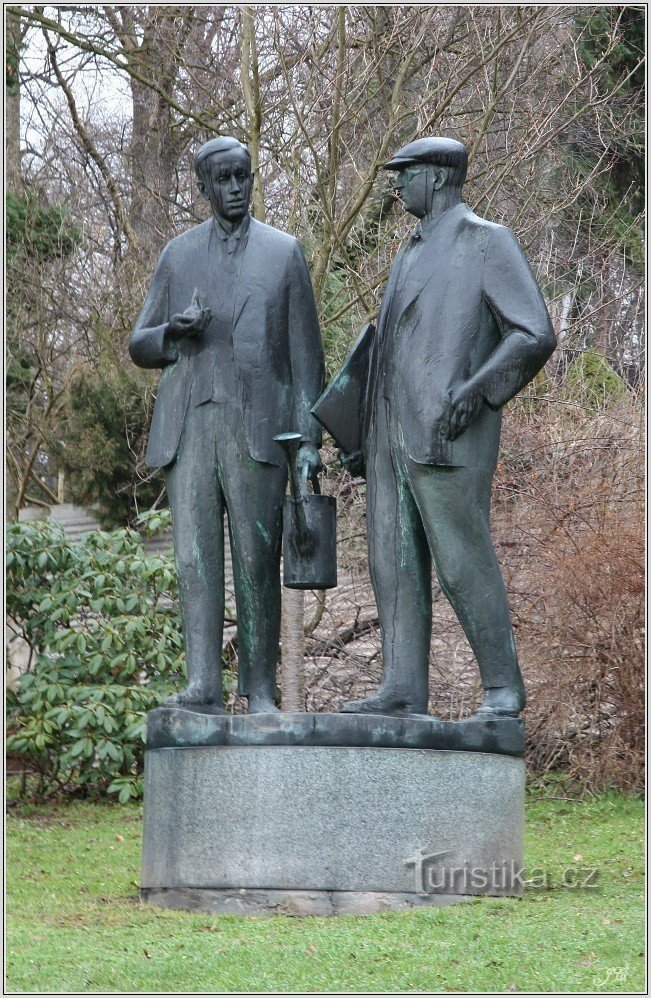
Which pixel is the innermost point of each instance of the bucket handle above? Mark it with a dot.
(316, 486)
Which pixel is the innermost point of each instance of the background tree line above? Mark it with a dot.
(105, 107)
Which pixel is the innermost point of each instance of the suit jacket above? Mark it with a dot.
(277, 348)
(470, 308)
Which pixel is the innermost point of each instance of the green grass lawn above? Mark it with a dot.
(75, 922)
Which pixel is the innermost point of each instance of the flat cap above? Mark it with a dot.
(221, 144)
(439, 151)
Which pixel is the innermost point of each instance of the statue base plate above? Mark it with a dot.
(316, 829)
(177, 727)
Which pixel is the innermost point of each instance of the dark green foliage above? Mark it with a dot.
(337, 336)
(103, 623)
(609, 209)
(623, 68)
(22, 368)
(628, 50)
(35, 233)
(38, 237)
(38, 230)
(101, 423)
(340, 323)
(106, 426)
(618, 220)
(592, 378)
(625, 227)
(629, 47)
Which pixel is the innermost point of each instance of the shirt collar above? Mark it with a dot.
(427, 225)
(237, 233)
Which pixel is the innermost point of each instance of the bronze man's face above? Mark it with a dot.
(227, 183)
(415, 186)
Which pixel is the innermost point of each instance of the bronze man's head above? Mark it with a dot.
(425, 167)
(223, 167)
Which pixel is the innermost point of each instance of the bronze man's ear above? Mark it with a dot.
(440, 177)
(202, 188)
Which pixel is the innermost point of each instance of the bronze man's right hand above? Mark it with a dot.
(464, 405)
(193, 321)
(353, 463)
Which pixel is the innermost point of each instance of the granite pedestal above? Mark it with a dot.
(329, 813)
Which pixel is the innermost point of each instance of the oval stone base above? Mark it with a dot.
(249, 902)
(274, 820)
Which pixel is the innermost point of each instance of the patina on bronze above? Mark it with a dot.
(462, 328)
(230, 317)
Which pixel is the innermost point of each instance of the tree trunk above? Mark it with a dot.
(293, 651)
(152, 168)
(250, 78)
(153, 152)
(12, 97)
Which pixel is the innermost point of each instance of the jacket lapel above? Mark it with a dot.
(427, 265)
(252, 262)
(389, 292)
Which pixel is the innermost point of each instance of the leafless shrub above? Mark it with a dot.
(578, 590)
(568, 527)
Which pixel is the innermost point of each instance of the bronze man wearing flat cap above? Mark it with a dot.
(462, 328)
(230, 318)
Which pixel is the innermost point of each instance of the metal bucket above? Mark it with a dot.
(310, 542)
(309, 528)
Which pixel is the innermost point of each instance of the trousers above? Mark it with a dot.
(420, 514)
(213, 472)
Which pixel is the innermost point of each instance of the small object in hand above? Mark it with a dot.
(193, 321)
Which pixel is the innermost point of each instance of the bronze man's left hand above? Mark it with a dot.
(308, 461)
(465, 406)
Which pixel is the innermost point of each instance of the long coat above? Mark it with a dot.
(470, 307)
(277, 348)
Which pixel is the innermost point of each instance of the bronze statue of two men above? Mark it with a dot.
(230, 318)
